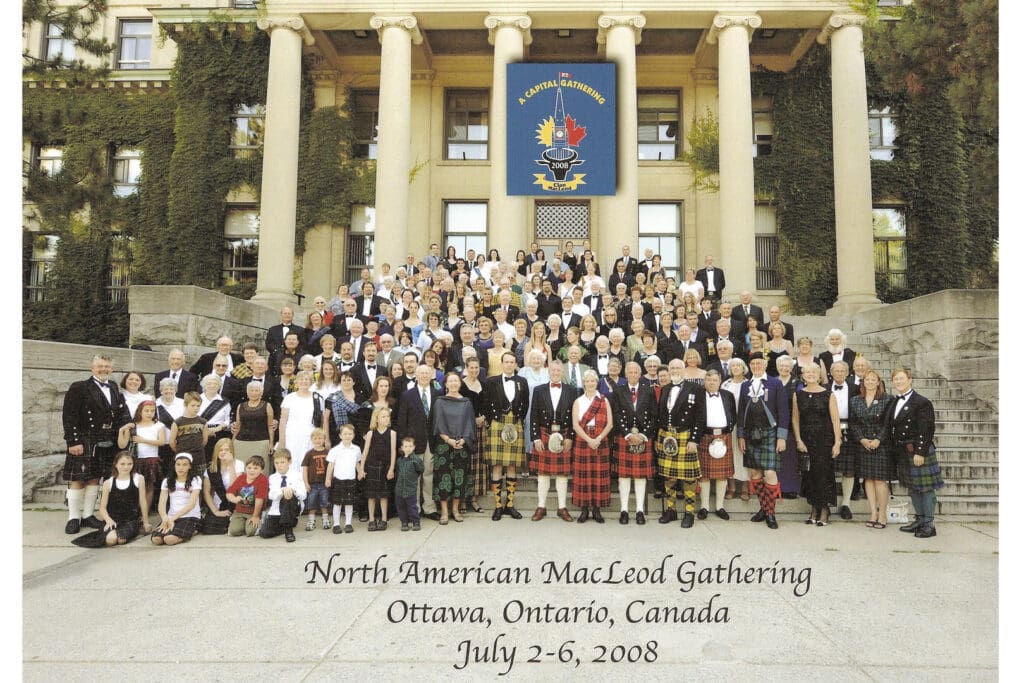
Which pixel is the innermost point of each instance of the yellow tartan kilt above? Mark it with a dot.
(496, 451)
(682, 465)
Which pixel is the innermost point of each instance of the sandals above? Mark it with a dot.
(457, 518)
(474, 507)
(875, 525)
(444, 519)
(828, 514)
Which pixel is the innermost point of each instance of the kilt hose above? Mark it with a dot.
(760, 453)
(715, 468)
(551, 464)
(631, 465)
(500, 453)
(591, 476)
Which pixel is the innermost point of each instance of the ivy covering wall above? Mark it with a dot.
(176, 220)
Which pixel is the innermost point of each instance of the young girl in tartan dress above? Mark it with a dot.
(591, 480)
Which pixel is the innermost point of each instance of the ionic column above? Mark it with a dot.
(733, 32)
(397, 34)
(852, 163)
(506, 215)
(276, 264)
(618, 218)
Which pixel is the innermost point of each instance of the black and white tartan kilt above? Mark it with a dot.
(631, 465)
(185, 528)
(591, 473)
(846, 463)
(375, 484)
(152, 471)
(760, 453)
(682, 465)
(553, 464)
(346, 492)
(95, 463)
(479, 472)
(715, 468)
(500, 453)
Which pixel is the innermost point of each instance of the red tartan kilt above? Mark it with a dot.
(591, 474)
(711, 468)
(552, 464)
(632, 465)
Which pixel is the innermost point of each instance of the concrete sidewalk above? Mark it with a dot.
(842, 603)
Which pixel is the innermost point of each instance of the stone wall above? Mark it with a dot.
(48, 369)
(953, 334)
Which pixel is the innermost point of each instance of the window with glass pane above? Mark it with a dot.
(466, 124)
(465, 227)
(657, 124)
(890, 232)
(247, 130)
(134, 44)
(127, 169)
(763, 126)
(50, 159)
(660, 230)
(121, 250)
(365, 111)
(56, 45)
(360, 253)
(882, 133)
(43, 254)
(766, 247)
(241, 244)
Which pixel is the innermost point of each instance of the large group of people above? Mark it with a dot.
(419, 390)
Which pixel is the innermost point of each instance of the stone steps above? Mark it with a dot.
(944, 440)
(967, 455)
(966, 428)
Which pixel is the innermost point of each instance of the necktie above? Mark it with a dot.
(174, 376)
(746, 310)
(284, 480)
(632, 391)
(423, 398)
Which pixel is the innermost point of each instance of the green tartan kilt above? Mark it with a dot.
(497, 452)
(682, 465)
(927, 477)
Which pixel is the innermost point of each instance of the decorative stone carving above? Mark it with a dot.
(296, 24)
(724, 21)
(520, 22)
(406, 22)
(607, 22)
(838, 21)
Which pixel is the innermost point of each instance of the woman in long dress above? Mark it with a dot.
(816, 427)
(479, 472)
(591, 461)
(453, 438)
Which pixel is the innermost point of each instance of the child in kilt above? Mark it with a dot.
(342, 463)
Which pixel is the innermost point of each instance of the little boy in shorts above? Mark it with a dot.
(314, 475)
(249, 494)
(287, 491)
(409, 467)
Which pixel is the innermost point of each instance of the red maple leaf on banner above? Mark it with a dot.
(575, 133)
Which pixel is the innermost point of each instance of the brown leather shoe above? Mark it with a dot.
(564, 515)
(539, 514)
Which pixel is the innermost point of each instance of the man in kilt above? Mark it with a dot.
(551, 407)
(676, 445)
(715, 420)
(506, 398)
(94, 411)
(911, 419)
(761, 429)
(635, 413)
(845, 466)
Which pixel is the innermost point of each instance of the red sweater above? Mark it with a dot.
(249, 492)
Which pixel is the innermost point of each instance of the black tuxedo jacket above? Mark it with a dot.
(364, 385)
(718, 277)
(590, 360)
(412, 420)
(644, 417)
(495, 402)
(233, 392)
(595, 303)
(339, 326)
(826, 358)
(632, 266)
(914, 424)
(86, 411)
(683, 416)
(363, 341)
(574, 320)
(187, 381)
(375, 304)
(738, 314)
(399, 386)
(204, 366)
(275, 336)
(544, 414)
(728, 403)
(706, 322)
(615, 278)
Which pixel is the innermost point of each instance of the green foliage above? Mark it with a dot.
(76, 23)
(702, 155)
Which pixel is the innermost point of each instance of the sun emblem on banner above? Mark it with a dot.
(560, 136)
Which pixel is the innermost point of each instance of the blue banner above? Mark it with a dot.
(561, 129)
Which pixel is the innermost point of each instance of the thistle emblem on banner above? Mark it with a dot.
(560, 136)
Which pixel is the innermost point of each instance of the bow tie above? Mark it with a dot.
(105, 385)
(838, 387)
(712, 395)
(902, 396)
(556, 385)
(371, 367)
(603, 355)
(509, 379)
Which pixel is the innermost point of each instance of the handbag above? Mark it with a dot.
(897, 511)
(805, 461)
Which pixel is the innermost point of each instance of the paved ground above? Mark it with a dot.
(856, 604)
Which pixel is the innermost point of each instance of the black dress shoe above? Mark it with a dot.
(623, 517)
(857, 493)
(584, 515)
(702, 514)
(289, 536)
(436, 516)
(925, 532)
(640, 519)
(759, 516)
(912, 527)
(93, 522)
(722, 514)
(513, 513)
(73, 526)
(687, 520)
(770, 521)
(669, 515)
(789, 496)
(496, 515)
(845, 512)
(596, 514)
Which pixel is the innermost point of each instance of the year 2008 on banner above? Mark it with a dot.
(504, 653)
